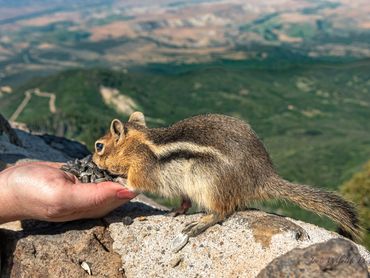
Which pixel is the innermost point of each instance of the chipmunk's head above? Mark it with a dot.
(122, 146)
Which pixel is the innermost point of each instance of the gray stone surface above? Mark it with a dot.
(69, 147)
(241, 247)
(8, 132)
(58, 250)
(33, 147)
(335, 258)
(16, 144)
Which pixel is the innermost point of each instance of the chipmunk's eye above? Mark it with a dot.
(99, 146)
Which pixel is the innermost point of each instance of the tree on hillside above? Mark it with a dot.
(357, 189)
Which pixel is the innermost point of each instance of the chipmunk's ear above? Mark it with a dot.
(137, 118)
(117, 129)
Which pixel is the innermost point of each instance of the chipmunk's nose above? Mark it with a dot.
(99, 146)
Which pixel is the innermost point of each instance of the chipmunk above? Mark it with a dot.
(216, 161)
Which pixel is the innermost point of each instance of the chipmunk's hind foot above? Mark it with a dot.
(184, 207)
(195, 228)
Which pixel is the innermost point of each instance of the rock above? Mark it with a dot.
(240, 247)
(3, 165)
(69, 147)
(245, 245)
(59, 250)
(33, 147)
(6, 129)
(18, 144)
(72, 249)
(334, 258)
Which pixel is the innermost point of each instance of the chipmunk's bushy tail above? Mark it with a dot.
(318, 201)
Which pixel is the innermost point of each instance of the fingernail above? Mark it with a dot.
(125, 194)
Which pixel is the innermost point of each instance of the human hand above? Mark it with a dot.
(40, 190)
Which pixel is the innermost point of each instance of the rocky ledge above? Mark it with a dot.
(248, 244)
(136, 240)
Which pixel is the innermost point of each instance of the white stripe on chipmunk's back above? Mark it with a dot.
(167, 149)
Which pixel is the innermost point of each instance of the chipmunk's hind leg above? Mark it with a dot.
(184, 207)
(197, 227)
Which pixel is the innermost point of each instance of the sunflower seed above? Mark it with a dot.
(85, 266)
(100, 180)
(179, 242)
(87, 171)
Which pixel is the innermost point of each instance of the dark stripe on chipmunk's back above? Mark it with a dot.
(182, 154)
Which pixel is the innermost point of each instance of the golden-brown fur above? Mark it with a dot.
(216, 161)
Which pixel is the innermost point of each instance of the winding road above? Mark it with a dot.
(27, 98)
